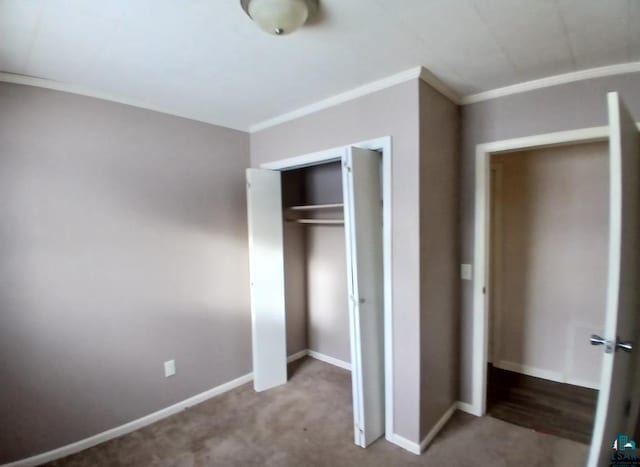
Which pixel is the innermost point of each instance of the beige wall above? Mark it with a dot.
(439, 246)
(123, 244)
(565, 107)
(550, 258)
(327, 297)
(326, 267)
(390, 112)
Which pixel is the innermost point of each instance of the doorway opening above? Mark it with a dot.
(548, 274)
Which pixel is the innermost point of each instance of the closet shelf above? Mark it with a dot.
(313, 207)
(318, 221)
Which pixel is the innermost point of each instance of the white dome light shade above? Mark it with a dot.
(279, 16)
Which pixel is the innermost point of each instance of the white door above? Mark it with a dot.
(266, 273)
(363, 230)
(623, 290)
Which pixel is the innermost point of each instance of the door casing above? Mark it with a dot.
(481, 285)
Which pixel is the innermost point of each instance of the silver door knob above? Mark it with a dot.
(609, 345)
(626, 346)
(597, 340)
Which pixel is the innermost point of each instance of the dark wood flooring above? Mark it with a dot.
(545, 406)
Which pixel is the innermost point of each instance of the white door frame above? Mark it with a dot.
(382, 145)
(481, 286)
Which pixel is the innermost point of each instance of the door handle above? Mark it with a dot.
(626, 346)
(597, 340)
(609, 345)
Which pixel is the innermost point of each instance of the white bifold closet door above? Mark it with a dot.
(363, 229)
(266, 275)
(618, 399)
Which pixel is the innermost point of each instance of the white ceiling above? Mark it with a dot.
(205, 59)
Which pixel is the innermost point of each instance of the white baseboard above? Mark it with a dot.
(584, 383)
(297, 355)
(542, 373)
(318, 356)
(331, 360)
(468, 408)
(438, 426)
(128, 427)
(159, 415)
(416, 448)
(528, 370)
(404, 443)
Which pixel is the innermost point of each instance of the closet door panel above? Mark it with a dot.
(363, 230)
(266, 272)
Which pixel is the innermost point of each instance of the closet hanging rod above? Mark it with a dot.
(311, 207)
(319, 221)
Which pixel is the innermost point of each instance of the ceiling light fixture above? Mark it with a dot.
(279, 16)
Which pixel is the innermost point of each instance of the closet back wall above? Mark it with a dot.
(327, 296)
(123, 244)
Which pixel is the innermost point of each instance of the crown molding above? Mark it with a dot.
(610, 70)
(429, 78)
(393, 80)
(435, 82)
(82, 91)
(369, 88)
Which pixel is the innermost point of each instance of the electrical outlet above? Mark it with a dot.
(466, 272)
(169, 368)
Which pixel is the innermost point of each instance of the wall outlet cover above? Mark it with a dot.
(466, 272)
(169, 368)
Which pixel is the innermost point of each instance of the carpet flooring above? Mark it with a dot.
(308, 422)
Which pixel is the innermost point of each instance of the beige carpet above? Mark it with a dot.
(308, 422)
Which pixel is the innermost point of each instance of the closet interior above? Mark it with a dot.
(316, 272)
(316, 295)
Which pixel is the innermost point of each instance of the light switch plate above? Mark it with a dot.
(466, 272)
(169, 368)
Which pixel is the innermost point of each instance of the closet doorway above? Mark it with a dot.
(618, 400)
(279, 212)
